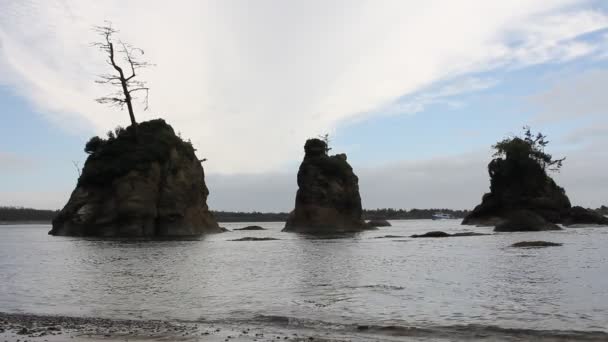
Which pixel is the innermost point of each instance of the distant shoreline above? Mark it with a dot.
(8, 223)
(18, 215)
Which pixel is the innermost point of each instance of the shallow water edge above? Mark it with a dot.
(26, 327)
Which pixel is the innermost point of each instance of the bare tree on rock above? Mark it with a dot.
(326, 140)
(122, 78)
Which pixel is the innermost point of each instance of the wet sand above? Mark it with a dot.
(34, 328)
(37, 328)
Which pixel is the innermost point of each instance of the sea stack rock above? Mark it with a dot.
(151, 185)
(523, 197)
(328, 199)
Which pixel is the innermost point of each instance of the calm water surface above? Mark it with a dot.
(357, 279)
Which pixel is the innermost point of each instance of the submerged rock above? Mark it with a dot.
(250, 228)
(433, 234)
(249, 238)
(469, 234)
(378, 223)
(440, 234)
(328, 199)
(535, 244)
(150, 186)
(522, 196)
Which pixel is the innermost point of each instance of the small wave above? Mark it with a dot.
(378, 287)
(475, 331)
(451, 332)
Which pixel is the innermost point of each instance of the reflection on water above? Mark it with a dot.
(348, 279)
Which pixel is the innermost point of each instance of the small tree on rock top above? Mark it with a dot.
(124, 79)
(529, 146)
(325, 139)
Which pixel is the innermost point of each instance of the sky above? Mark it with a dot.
(414, 92)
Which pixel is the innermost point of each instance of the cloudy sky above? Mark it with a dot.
(415, 92)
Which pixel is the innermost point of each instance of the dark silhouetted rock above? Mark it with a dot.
(468, 234)
(254, 239)
(535, 244)
(378, 223)
(251, 228)
(146, 187)
(328, 199)
(389, 236)
(524, 221)
(522, 196)
(434, 234)
(440, 234)
(580, 216)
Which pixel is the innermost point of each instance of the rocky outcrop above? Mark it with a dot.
(328, 199)
(528, 244)
(378, 223)
(250, 228)
(151, 185)
(524, 221)
(440, 234)
(249, 238)
(523, 197)
(579, 216)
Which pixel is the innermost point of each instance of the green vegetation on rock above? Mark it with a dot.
(122, 152)
(523, 197)
(138, 185)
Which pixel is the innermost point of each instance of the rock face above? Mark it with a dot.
(151, 186)
(525, 221)
(581, 216)
(328, 199)
(523, 197)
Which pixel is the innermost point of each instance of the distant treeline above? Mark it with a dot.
(19, 214)
(231, 216)
(374, 214)
(412, 214)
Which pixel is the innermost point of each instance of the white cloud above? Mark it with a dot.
(584, 175)
(10, 162)
(449, 182)
(443, 93)
(249, 81)
(574, 97)
(456, 182)
(554, 37)
(596, 133)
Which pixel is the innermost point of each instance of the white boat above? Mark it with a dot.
(442, 216)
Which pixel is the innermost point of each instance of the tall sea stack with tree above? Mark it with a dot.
(142, 181)
(523, 197)
(328, 199)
